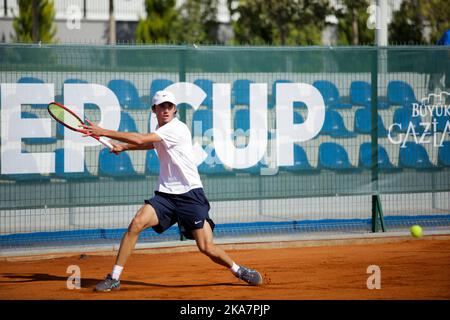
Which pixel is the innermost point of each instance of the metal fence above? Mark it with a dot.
(314, 135)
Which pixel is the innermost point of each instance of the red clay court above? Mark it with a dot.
(297, 270)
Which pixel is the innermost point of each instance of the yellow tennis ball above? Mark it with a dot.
(416, 231)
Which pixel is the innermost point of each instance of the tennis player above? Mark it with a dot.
(179, 196)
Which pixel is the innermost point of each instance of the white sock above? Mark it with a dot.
(117, 270)
(234, 268)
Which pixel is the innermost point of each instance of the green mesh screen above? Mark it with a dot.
(385, 132)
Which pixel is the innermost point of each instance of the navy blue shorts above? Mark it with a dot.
(189, 210)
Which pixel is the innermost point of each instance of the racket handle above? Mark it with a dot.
(105, 142)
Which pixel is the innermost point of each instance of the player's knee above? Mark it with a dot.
(136, 225)
(207, 248)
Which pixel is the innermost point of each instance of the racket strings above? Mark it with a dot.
(64, 116)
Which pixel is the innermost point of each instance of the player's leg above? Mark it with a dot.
(204, 239)
(145, 217)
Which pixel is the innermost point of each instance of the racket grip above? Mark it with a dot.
(105, 142)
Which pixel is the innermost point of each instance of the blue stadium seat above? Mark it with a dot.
(127, 123)
(330, 94)
(361, 95)
(441, 121)
(30, 115)
(333, 156)
(116, 166)
(30, 80)
(207, 86)
(240, 93)
(298, 118)
(203, 117)
(212, 165)
(400, 93)
(301, 163)
(444, 154)
(365, 157)
(59, 169)
(414, 156)
(299, 105)
(151, 163)
(273, 97)
(363, 123)
(334, 126)
(127, 94)
(157, 85)
(242, 119)
(403, 118)
(75, 80)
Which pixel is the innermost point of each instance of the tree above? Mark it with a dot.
(35, 21)
(198, 22)
(437, 13)
(280, 22)
(420, 21)
(352, 23)
(408, 23)
(160, 24)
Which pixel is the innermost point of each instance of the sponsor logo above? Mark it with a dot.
(429, 122)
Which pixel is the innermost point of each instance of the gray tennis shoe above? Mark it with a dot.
(252, 277)
(108, 284)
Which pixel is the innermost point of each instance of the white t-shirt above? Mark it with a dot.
(177, 170)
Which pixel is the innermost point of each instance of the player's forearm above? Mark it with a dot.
(134, 138)
(130, 146)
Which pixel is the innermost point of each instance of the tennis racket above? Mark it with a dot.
(70, 120)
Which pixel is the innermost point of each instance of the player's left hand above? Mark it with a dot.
(117, 147)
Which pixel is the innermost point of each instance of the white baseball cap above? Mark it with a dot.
(163, 96)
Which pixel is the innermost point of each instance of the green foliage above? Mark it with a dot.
(160, 24)
(437, 13)
(279, 22)
(415, 18)
(407, 24)
(198, 22)
(352, 23)
(23, 24)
